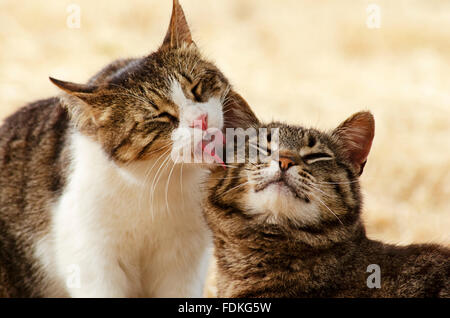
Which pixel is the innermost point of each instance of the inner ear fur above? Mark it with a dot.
(237, 112)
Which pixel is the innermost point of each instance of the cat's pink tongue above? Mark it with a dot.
(212, 153)
(202, 123)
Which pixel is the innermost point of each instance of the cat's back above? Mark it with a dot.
(417, 270)
(33, 161)
(31, 144)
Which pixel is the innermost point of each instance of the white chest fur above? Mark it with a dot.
(128, 232)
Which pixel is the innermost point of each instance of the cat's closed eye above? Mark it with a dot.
(317, 156)
(197, 91)
(167, 117)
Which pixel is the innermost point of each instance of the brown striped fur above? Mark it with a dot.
(277, 253)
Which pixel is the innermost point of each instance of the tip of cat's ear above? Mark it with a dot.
(365, 116)
(57, 82)
(72, 88)
(178, 32)
(362, 121)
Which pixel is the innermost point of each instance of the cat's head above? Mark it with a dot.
(135, 107)
(310, 181)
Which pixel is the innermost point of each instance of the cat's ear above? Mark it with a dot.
(79, 90)
(80, 99)
(355, 135)
(178, 32)
(237, 112)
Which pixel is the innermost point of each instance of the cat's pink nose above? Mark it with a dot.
(201, 122)
(285, 163)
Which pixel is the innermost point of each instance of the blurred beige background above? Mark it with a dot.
(304, 62)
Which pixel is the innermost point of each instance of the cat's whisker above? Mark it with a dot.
(326, 206)
(181, 184)
(311, 186)
(146, 176)
(236, 187)
(226, 111)
(169, 144)
(194, 65)
(223, 165)
(343, 182)
(264, 152)
(229, 99)
(161, 148)
(157, 177)
(225, 94)
(162, 154)
(167, 185)
(224, 178)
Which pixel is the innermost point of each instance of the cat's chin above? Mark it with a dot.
(281, 189)
(277, 201)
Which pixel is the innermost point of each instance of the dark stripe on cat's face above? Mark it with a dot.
(125, 139)
(148, 146)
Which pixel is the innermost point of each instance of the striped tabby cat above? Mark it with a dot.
(291, 227)
(91, 204)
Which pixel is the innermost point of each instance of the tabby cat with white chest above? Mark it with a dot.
(91, 204)
(289, 224)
